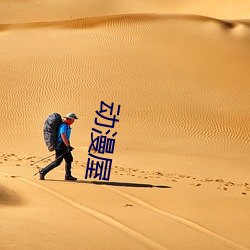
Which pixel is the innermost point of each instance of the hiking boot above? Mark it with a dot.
(70, 178)
(41, 175)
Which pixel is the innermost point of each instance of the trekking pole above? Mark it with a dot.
(42, 159)
(48, 157)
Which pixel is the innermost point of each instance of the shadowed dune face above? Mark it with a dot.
(9, 197)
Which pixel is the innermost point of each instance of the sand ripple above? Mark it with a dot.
(181, 81)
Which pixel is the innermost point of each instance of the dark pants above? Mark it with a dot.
(67, 156)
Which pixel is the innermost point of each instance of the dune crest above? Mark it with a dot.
(109, 20)
(49, 10)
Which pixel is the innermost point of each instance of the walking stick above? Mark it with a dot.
(48, 157)
(41, 159)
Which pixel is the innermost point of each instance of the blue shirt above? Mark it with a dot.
(64, 128)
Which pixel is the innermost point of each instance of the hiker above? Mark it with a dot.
(63, 149)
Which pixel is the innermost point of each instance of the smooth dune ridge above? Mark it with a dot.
(49, 10)
(181, 162)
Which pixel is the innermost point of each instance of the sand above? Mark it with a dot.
(180, 172)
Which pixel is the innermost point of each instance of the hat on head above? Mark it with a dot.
(71, 116)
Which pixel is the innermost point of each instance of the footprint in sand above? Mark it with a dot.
(128, 205)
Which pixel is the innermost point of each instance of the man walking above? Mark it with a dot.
(63, 150)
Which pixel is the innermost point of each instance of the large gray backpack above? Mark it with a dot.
(50, 130)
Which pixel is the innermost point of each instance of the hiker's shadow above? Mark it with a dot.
(122, 184)
(112, 183)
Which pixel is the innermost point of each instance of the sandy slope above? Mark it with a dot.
(52, 10)
(120, 215)
(180, 178)
(181, 104)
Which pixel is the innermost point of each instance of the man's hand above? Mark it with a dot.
(69, 148)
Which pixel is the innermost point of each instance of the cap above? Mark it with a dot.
(71, 116)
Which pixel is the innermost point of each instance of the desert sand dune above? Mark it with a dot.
(198, 108)
(180, 174)
(50, 10)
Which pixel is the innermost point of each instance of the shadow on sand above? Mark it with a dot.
(117, 184)
(122, 184)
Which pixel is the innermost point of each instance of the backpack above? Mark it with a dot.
(50, 130)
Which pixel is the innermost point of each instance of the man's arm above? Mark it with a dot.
(66, 142)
